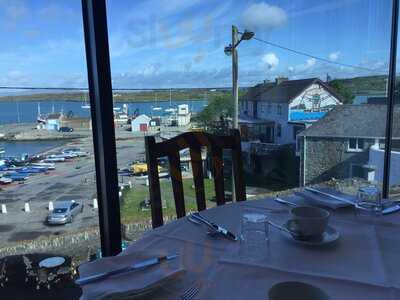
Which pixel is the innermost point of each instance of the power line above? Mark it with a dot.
(114, 89)
(313, 56)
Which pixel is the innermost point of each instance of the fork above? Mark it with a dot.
(191, 292)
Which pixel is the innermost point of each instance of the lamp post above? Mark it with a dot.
(232, 51)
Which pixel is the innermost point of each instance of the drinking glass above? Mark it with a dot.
(254, 235)
(369, 201)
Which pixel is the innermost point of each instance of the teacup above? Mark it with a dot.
(309, 221)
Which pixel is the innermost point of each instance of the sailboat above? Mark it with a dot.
(157, 108)
(170, 109)
(40, 117)
(85, 104)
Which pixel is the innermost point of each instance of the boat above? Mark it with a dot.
(63, 155)
(85, 104)
(156, 108)
(16, 176)
(2, 151)
(74, 152)
(170, 109)
(32, 170)
(53, 159)
(5, 180)
(49, 166)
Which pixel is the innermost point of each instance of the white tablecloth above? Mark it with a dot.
(363, 264)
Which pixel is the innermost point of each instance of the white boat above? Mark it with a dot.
(85, 104)
(170, 109)
(5, 180)
(49, 166)
(77, 153)
(53, 159)
(156, 108)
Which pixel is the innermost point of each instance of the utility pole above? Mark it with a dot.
(235, 71)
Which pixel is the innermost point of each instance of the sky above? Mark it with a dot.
(180, 43)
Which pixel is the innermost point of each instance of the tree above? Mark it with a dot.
(342, 90)
(216, 114)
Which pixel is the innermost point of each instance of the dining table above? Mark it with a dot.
(364, 263)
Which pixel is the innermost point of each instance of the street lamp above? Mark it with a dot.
(231, 51)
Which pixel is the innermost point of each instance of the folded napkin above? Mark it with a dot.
(325, 201)
(129, 284)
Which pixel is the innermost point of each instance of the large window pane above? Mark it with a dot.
(46, 162)
(312, 88)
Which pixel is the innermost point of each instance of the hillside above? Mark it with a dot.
(369, 85)
(136, 96)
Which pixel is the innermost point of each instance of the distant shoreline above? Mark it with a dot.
(12, 99)
(164, 96)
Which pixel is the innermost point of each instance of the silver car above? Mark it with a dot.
(64, 212)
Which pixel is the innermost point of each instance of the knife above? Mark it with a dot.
(312, 190)
(137, 266)
(223, 231)
(283, 201)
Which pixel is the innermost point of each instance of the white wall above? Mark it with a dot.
(376, 159)
(305, 97)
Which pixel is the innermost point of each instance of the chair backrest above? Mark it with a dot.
(194, 141)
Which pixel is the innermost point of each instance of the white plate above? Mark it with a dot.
(52, 262)
(329, 236)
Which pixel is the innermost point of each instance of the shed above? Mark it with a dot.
(140, 123)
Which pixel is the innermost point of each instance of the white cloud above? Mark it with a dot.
(310, 63)
(271, 60)
(262, 16)
(334, 56)
(291, 69)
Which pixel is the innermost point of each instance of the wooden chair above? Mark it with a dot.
(194, 141)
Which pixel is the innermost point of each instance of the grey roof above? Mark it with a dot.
(364, 121)
(244, 119)
(285, 91)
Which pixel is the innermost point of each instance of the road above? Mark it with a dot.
(71, 180)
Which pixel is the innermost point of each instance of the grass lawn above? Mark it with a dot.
(130, 211)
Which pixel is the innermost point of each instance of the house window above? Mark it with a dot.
(262, 108)
(356, 144)
(278, 130)
(279, 109)
(269, 108)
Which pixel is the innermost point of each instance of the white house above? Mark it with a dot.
(277, 111)
(140, 123)
(183, 115)
(53, 121)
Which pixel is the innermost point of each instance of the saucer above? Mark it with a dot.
(329, 236)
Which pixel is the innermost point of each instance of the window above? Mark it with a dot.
(269, 108)
(52, 55)
(278, 130)
(262, 107)
(356, 144)
(279, 109)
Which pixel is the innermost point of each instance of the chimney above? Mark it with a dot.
(279, 80)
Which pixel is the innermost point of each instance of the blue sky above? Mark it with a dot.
(179, 43)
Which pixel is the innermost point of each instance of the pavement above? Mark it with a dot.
(72, 180)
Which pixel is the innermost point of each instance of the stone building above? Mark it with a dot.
(340, 144)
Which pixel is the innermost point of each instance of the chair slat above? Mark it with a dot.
(194, 141)
(237, 165)
(177, 184)
(154, 182)
(218, 171)
(198, 177)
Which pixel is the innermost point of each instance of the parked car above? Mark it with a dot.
(64, 212)
(66, 129)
